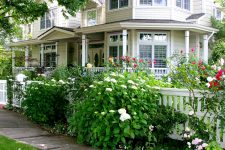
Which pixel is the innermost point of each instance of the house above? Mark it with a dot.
(147, 29)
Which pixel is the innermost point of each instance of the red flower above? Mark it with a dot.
(141, 61)
(200, 62)
(128, 58)
(214, 84)
(135, 65)
(219, 74)
(134, 59)
(203, 67)
(154, 62)
(193, 62)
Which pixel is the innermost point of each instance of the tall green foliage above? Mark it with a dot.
(5, 64)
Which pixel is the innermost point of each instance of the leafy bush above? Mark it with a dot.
(45, 102)
(117, 112)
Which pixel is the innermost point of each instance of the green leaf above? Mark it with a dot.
(116, 130)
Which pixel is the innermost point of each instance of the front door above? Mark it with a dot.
(95, 56)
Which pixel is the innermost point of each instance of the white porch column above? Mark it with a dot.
(133, 44)
(86, 46)
(83, 50)
(187, 43)
(197, 41)
(124, 42)
(13, 61)
(27, 56)
(205, 48)
(42, 55)
(56, 52)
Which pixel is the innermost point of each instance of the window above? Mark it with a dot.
(153, 48)
(218, 14)
(154, 2)
(48, 20)
(184, 4)
(50, 55)
(91, 18)
(116, 46)
(116, 4)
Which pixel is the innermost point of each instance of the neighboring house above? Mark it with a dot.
(147, 29)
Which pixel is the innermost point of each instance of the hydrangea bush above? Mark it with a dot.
(121, 111)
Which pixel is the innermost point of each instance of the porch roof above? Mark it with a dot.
(155, 24)
(27, 42)
(57, 33)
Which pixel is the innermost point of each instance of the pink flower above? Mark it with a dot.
(141, 61)
(135, 65)
(196, 141)
(193, 62)
(154, 62)
(192, 50)
(203, 67)
(123, 58)
(134, 59)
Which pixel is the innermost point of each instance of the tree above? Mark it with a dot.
(16, 12)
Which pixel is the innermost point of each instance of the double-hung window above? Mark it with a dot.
(48, 20)
(91, 17)
(184, 4)
(153, 2)
(153, 48)
(218, 14)
(50, 56)
(115, 46)
(116, 4)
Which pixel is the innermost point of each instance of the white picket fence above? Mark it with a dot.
(176, 98)
(179, 99)
(3, 92)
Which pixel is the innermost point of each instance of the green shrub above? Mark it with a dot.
(118, 111)
(45, 102)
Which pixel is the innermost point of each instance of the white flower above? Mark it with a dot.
(122, 111)
(124, 86)
(134, 87)
(61, 82)
(108, 89)
(91, 86)
(221, 62)
(103, 113)
(213, 67)
(204, 145)
(53, 80)
(219, 68)
(185, 135)
(124, 117)
(189, 144)
(112, 111)
(113, 74)
(151, 127)
(200, 147)
(96, 112)
(107, 79)
(113, 80)
(187, 129)
(223, 76)
(100, 82)
(121, 76)
(209, 79)
(208, 85)
(89, 65)
(85, 90)
(131, 82)
(191, 113)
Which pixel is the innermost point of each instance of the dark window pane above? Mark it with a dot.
(187, 4)
(160, 56)
(178, 3)
(123, 3)
(113, 4)
(146, 2)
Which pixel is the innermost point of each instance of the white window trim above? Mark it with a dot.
(118, 7)
(215, 14)
(95, 17)
(182, 6)
(153, 43)
(152, 6)
(50, 51)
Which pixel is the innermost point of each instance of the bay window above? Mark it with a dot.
(116, 4)
(153, 48)
(153, 2)
(184, 4)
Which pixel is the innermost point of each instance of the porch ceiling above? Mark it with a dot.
(150, 24)
(57, 33)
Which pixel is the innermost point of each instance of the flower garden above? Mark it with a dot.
(122, 107)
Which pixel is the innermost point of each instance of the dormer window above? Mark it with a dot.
(153, 2)
(218, 14)
(91, 17)
(116, 4)
(184, 4)
(48, 20)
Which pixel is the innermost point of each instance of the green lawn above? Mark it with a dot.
(9, 144)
